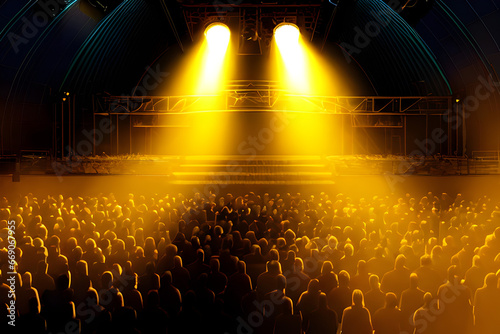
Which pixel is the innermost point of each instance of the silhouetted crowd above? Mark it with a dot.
(279, 264)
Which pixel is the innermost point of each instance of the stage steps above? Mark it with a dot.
(258, 169)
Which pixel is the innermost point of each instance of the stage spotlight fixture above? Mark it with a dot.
(210, 64)
(294, 58)
(217, 35)
(287, 35)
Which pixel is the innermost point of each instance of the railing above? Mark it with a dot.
(486, 155)
(390, 113)
(240, 96)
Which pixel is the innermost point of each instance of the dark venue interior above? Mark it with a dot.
(250, 166)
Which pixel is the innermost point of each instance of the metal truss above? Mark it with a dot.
(262, 17)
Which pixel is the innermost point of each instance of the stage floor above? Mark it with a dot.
(352, 185)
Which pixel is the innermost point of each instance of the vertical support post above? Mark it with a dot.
(426, 131)
(117, 135)
(93, 129)
(343, 132)
(464, 133)
(457, 131)
(62, 130)
(404, 132)
(74, 123)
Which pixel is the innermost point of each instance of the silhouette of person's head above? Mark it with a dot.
(413, 281)
(106, 280)
(287, 306)
(362, 268)
(313, 286)
(26, 279)
(323, 301)
(242, 267)
(400, 262)
(200, 254)
(348, 250)
(391, 301)
(374, 282)
(490, 280)
(298, 264)
(62, 282)
(274, 255)
(92, 298)
(166, 278)
(425, 261)
(274, 267)
(327, 267)
(177, 261)
(214, 265)
(452, 274)
(153, 299)
(428, 299)
(344, 278)
(357, 298)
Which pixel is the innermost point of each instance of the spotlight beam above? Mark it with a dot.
(213, 56)
(287, 37)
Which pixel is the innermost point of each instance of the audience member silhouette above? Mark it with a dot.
(361, 280)
(398, 279)
(454, 302)
(288, 322)
(322, 320)
(388, 319)
(411, 299)
(487, 306)
(297, 281)
(328, 279)
(309, 301)
(340, 297)
(429, 279)
(425, 318)
(375, 298)
(356, 318)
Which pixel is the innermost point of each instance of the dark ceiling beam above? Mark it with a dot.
(172, 24)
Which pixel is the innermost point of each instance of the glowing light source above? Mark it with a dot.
(292, 51)
(287, 35)
(217, 35)
(209, 66)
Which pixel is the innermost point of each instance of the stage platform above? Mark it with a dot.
(256, 169)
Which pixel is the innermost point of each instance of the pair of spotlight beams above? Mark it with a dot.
(218, 34)
(292, 70)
